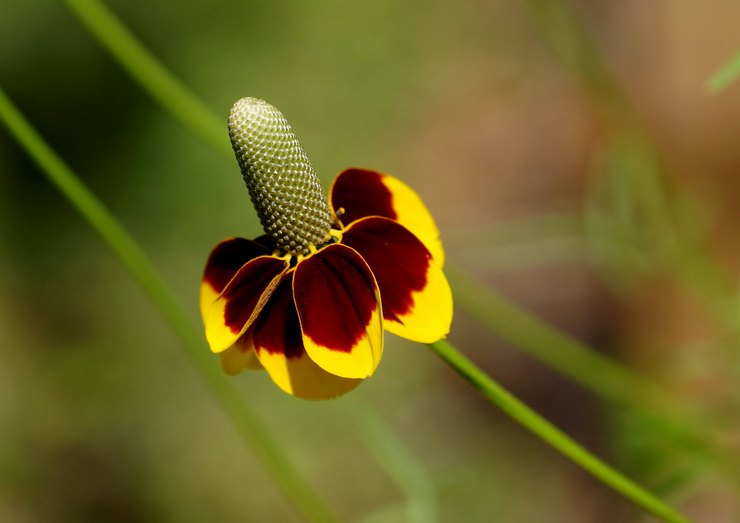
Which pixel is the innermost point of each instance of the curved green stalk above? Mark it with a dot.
(295, 488)
(687, 256)
(399, 464)
(605, 377)
(727, 74)
(553, 436)
(150, 74)
(601, 375)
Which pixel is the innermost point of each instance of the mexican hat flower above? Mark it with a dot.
(310, 299)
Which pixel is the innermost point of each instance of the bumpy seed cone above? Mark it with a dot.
(281, 180)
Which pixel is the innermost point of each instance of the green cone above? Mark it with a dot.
(281, 180)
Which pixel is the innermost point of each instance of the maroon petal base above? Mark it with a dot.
(339, 310)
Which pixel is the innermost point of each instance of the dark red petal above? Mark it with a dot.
(279, 347)
(245, 291)
(238, 305)
(417, 300)
(266, 241)
(338, 305)
(361, 193)
(397, 258)
(227, 258)
(277, 329)
(357, 193)
(334, 294)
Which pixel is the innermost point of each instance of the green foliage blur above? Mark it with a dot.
(605, 205)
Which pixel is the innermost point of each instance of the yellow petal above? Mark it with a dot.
(239, 357)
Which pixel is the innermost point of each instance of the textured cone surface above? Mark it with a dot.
(281, 180)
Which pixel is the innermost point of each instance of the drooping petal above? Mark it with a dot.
(279, 346)
(238, 305)
(240, 356)
(225, 259)
(359, 193)
(417, 301)
(339, 309)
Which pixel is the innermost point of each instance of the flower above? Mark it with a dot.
(309, 301)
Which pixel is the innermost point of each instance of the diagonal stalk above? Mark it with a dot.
(724, 76)
(398, 462)
(150, 74)
(553, 436)
(689, 260)
(601, 375)
(293, 485)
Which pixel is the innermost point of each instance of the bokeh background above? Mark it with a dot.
(602, 200)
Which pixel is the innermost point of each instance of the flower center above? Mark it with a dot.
(282, 182)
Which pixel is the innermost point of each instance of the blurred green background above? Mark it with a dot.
(544, 184)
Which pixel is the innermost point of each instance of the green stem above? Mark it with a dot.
(690, 262)
(398, 462)
(551, 435)
(725, 75)
(582, 364)
(569, 357)
(296, 489)
(150, 74)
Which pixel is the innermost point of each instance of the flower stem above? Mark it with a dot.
(293, 485)
(689, 260)
(398, 462)
(582, 364)
(551, 435)
(605, 377)
(150, 74)
(724, 76)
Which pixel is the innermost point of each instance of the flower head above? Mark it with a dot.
(309, 300)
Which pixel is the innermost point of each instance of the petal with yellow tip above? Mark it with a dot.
(417, 300)
(238, 305)
(224, 261)
(279, 347)
(339, 310)
(359, 193)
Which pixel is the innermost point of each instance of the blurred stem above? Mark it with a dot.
(582, 364)
(597, 373)
(150, 74)
(575, 49)
(553, 436)
(399, 463)
(687, 256)
(727, 74)
(294, 487)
